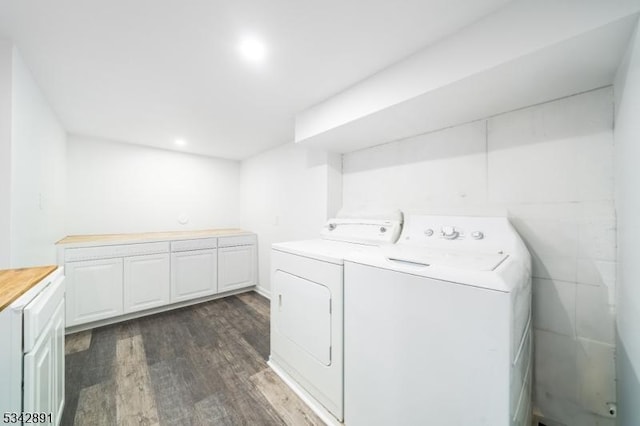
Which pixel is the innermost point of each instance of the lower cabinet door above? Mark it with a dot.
(236, 267)
(94, 290)
(146, 282)
(39, 376)
(57, 337)
(193, 274)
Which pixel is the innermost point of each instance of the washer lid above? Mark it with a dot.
(454, 259)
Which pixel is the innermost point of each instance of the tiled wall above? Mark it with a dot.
(550, 169)
(627, 151)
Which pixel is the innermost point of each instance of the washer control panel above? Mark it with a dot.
(449, 240)
(457, 232)
(451, 232)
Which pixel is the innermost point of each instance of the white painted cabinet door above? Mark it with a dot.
(236, 267)
(193, 274)
(39, 375)
(146, 282)
(94, 290)
(57, 337)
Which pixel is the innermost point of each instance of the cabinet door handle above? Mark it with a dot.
(280, 301)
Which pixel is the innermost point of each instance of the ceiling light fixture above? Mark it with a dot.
(253, 49)
(180, 142)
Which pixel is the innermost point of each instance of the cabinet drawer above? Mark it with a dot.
(197, 244)
(38, 313)
(240, 240)
(107, 252)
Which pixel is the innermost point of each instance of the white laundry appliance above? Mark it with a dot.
(438, 327)
(307, 306)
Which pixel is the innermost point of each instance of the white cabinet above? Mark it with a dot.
(32, 367)
(110, 280)
(237, 262)
(94, 290)
(193, 274)
(236, 267)
(146, 282)
(44, 370)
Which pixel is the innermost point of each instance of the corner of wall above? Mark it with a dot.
(627, 204)
(6, 59)
(287, 194)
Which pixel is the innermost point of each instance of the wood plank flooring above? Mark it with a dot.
(199, 365)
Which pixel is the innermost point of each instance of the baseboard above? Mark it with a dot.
(263, 292)
(538, 419)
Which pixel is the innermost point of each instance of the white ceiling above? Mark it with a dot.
(151, 71)
(559, 49)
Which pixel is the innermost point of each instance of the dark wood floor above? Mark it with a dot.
(200, 365)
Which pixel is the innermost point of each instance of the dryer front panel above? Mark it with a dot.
(307, 324)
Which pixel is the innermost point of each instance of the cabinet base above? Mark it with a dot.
(126, 317)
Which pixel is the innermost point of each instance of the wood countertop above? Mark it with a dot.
(15, 282)
(150, 236)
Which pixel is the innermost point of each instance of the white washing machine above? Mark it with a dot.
(307, 307)
(438, 327)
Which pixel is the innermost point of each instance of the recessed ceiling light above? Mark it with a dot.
(253, 49)
(180, 142)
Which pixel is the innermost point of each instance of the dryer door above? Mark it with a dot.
(304, 315)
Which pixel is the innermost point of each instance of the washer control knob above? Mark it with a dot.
(477, 235)
(449, 233)
(383, 229)
(332, 226)
(428, 232)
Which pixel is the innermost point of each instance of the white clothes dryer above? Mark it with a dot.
(438, 327)
(307, 307)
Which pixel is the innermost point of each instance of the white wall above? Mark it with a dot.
(6, 53)
(287, 193)
(550, 168)
(115, 187)
(32, 168)
(38, 172)
(627, 147)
